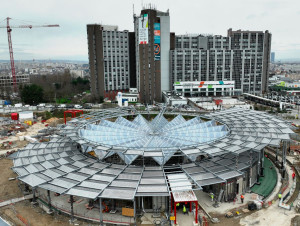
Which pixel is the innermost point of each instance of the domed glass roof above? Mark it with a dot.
(156, 134)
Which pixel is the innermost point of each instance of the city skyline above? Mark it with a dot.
(69, 41)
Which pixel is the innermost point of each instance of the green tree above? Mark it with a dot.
(32, 94)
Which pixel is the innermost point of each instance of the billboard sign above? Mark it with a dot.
(143, 29)
(156, 41)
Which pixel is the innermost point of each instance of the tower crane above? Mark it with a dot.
(11, 54)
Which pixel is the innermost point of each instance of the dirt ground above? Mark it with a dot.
(8, 189)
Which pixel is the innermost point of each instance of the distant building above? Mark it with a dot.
(152, 38)
(6, 81)
(242, 57)
(272, 57)
(108, 59)
(77, 73)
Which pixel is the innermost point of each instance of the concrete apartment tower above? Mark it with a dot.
(109, 60)
(242, 57)
(255, 50)
(152, 44)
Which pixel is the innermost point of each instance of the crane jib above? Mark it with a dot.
(12, 63)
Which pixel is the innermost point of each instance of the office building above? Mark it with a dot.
(152, 38)
(242, 57)
(109, 60)
(272, 57)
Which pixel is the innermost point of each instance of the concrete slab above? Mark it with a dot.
(205, 201)
(185, 219)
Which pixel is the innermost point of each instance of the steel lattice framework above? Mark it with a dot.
(60, 166)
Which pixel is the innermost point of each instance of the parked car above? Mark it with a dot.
(62, 106)
(70, 106)
(18, 105)
(77, 106)
(87, 107)
(41, 105)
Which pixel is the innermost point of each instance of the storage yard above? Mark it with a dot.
(66, 173)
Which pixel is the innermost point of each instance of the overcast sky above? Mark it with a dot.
(69, 41)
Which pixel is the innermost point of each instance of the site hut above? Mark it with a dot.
(128, 168)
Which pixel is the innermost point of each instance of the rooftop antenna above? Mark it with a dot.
(133, 8)
(133, 13)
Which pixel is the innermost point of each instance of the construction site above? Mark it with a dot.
(124, 167)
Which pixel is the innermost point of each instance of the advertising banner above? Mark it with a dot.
(143, 29)
(156, 41)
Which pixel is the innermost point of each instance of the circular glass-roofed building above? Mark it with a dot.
(124, 164)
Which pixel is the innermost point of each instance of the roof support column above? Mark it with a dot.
(284, 147)
(262, 163)
(101, 214)
(175, 212)
(33, 196)
(167, 210)
(196, 213)
(171, 204)
(236, 162)
(258, 166)
(250, 168)
(226, 192)
(277, 149)
(72, 208)
(134, 211)
(49, 202)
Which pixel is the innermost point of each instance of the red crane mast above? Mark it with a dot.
(11, 53)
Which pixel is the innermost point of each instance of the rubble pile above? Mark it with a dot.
(54, 119)
(53, 122)
(11, 130)
(8, 145)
